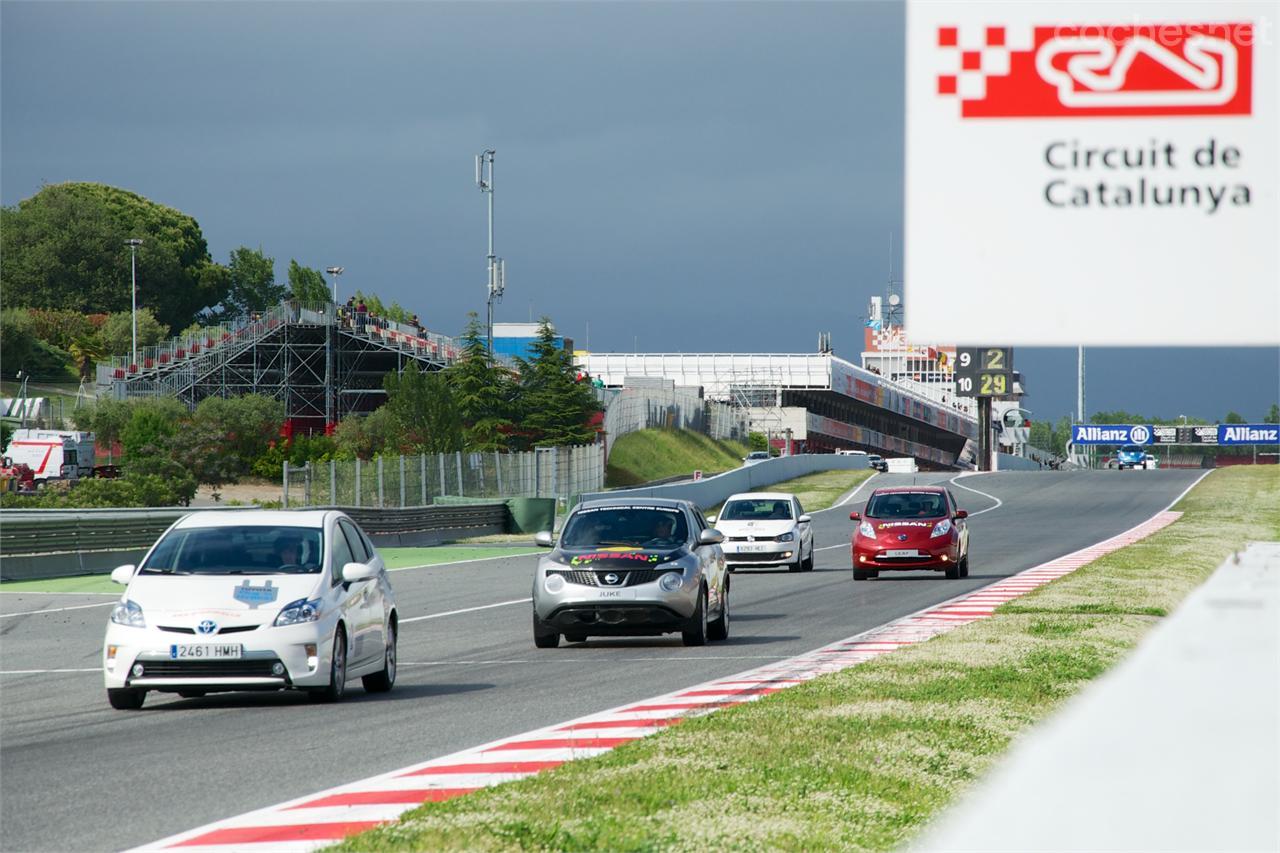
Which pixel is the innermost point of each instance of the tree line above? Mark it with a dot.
(1054, 436)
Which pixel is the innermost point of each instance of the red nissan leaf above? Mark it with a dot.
(909, 528)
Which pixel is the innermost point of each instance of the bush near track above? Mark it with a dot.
(864, 758)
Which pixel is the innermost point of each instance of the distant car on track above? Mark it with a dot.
(755, 456)
(766, 529)
(1131, 456)
(253, 600)
(877, 462)
(910, 527)
(632, 567)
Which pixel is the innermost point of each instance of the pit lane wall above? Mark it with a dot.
(712, 491)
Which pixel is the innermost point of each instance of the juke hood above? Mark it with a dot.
(616, 558)
(240, 599)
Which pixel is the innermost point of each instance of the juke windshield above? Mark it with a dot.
(240, 550)
(907, 505)
(625, 527)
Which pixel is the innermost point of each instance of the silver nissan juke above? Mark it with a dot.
(645, 566)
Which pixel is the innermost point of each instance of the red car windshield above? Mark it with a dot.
(907, 505)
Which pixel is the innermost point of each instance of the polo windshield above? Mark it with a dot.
(238, 550)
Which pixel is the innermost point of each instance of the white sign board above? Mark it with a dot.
(1092, 174)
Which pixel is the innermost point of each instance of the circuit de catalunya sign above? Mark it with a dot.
(1092, 154)
(1152, 434)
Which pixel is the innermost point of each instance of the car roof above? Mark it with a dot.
(255, 517)
(937, 490)
(638, 500)
(760, 496)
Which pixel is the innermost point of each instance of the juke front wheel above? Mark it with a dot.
(695, 633)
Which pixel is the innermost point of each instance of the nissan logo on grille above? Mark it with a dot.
(612, 578)
(902, 537)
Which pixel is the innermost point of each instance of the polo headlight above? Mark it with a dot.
(787, 537)
(128, 613)
(671, 581)
(942, 528)
(298, 612)
(865, 529)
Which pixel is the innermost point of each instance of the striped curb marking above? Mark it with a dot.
(320, 819)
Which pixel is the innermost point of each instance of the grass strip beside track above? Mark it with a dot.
(395, 559)
(862, 759)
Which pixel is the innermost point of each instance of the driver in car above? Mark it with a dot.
(288, 551)
(663, 528)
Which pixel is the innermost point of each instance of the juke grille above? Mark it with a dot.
(632, 577)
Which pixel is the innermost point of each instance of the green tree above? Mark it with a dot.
(151, 422)
(253, 285)
(482, 390)
(1273, 414)
(1234, 418)
(117, 333)
(106, 419)
(363, 437)
(65, 248)
(17, 339)
(245, 426)
(306, 284)
(424, 410)
(555, 408)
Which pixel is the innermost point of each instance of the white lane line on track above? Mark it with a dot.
(461, 562)
(1187, 489)
(584, 659)
(46, 671)
(999, 503)
(464, 610)
(56, 609)
(41, 592)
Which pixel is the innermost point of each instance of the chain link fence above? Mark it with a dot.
(661, 404)
(444, 478)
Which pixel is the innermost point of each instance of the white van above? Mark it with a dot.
(53, 453)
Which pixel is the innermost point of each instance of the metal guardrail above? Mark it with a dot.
(27, 532)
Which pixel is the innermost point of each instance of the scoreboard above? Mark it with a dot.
(984, 371)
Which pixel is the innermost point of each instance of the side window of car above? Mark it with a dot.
(799, 510)
(341, 554)
(355, 541)
(955, 505)
(699, 521)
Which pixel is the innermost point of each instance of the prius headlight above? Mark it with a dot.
(865, 529)
(297, 612)
(671, 581)
(787, 537)
(128, 613)
(942, 528)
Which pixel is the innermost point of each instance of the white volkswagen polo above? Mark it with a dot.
(765, 529)
(253, 600)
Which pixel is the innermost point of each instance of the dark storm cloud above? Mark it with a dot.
(700, 177)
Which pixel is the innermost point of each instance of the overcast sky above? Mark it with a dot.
(719, 177)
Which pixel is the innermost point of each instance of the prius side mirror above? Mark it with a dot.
(122, 574)
(352, 572)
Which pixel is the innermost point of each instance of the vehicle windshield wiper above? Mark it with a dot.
(249, 572)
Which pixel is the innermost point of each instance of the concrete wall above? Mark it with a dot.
(749, 478)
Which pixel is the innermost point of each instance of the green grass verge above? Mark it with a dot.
(395, 559)
(654, 454)
(864, 758)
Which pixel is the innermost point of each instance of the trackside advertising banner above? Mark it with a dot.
(1150, 434)
(1112, 162)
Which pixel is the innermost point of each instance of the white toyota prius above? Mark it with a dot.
(253, 600)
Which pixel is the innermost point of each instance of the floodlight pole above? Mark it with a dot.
(330, 333)
(334, 272)
(133, 245)
(493, 264)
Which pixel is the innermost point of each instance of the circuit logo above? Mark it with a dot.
(1134, 70)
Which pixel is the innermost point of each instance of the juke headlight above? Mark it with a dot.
(671, 581)
(298, 612)
(942, 528)
(128, 613)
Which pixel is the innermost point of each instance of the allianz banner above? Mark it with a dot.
(1117, 434)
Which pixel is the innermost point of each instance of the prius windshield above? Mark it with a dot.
(239, 550)
(625, 527)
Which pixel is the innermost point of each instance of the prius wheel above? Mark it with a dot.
(381, 682)
(337, 670)
(126, 699)
(695, 634)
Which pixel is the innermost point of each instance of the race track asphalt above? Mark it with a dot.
(76, 775)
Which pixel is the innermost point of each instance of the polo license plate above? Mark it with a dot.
(204, 651)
